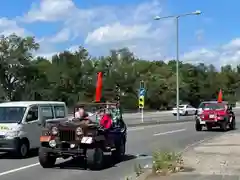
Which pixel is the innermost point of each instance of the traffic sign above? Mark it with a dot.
(142, 92)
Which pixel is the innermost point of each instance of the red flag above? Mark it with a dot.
(99, 87)
(220, 96)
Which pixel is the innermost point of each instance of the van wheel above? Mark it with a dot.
(22, 149)
(45, 160)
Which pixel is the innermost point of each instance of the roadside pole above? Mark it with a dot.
(141, 99)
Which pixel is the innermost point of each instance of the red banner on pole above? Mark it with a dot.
(99, 87)
(220, 96)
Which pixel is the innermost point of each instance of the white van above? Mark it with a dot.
(20, 123)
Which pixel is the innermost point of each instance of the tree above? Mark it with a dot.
(15, 60)
(71, 77)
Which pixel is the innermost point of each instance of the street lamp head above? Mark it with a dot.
(197, 12)
(157, 18)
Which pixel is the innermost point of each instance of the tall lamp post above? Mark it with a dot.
(176, 17)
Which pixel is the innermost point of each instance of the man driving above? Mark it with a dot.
(82, 115)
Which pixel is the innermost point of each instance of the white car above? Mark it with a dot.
(184, 110)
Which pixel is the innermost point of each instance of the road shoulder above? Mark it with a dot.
(216, 158)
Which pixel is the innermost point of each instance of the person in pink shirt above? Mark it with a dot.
(105, 119)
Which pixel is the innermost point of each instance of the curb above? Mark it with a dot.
(158, 122)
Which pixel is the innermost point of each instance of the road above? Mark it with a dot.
(141, 142)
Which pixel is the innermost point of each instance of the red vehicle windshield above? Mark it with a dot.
(212, 106)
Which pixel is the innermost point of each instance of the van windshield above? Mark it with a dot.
(11, 114)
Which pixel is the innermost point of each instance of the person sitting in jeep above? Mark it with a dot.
(105, 119)
(82, 115)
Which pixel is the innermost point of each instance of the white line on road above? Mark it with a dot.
(18, 169)
(169, 132)
(156, 125)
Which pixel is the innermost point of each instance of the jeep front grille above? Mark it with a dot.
(67, 135)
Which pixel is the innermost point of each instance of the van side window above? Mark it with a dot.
(59, 111)
(47, 112)
(32, 114)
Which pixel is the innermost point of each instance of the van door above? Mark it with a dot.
(31, 126)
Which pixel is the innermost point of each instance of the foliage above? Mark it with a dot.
(165, 162)
(71, 77)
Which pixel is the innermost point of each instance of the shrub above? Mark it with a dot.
(165, 162)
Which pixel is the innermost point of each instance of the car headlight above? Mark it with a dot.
(79, 131)
(54, 130)
(11, 134)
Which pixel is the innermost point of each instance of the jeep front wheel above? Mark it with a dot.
(198, 126)
(223, 126)
(119, 153)
(45, 160)
(232, 124)
(95, 158)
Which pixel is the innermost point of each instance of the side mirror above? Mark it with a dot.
(29, 117)
(42, 122)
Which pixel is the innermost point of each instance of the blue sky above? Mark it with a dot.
(212, 37)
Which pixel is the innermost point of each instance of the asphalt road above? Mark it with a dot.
(141, 143)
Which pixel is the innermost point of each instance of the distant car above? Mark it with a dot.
(214, 114)
(184, 110)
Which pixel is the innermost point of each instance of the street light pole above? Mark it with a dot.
(177, 65)
(177, 50)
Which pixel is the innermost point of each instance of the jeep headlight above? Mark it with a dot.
(11, 134)
(79, 131)
(54, 130)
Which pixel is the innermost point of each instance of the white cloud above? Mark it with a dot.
(117, 32)
(226, 54)
(108, 26)
(8, 27)
(61, 36)
(50, 10)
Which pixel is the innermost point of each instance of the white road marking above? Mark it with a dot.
(136, 129)
(169, 132)
(18, 169)
(156, 125)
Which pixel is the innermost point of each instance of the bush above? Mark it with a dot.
(165, 162)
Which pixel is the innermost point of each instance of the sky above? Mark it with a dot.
(101, 25)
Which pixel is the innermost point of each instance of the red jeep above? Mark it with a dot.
(214, 114)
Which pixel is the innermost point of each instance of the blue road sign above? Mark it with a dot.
(142, 92)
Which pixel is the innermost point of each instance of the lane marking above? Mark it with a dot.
(157, 125)
(18, 169)
(169, 132)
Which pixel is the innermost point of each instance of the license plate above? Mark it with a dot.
(87, 140)
(211, 116)
(45, 138)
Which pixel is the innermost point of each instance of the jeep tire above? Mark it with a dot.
(198, 126)
(232, 124)
(119, 153)
(95, 158)
(223, 126)
(45, 159)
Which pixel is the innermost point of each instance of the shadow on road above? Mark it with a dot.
(79, 164)
(218, 130)
(32, 153)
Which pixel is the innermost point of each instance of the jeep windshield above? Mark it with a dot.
(212, 106)
(11, 114)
